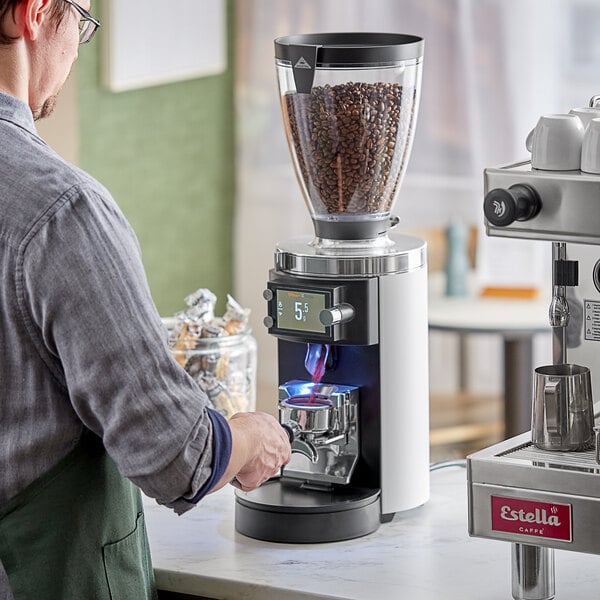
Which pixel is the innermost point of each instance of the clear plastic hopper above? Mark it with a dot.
(350, 102)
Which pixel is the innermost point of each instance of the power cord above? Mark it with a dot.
(448, 463)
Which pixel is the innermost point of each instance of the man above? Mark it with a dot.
(90, 396)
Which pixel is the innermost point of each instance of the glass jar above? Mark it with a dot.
(224, 366)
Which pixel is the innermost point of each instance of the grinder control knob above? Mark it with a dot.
(342, 313)
(520, 202)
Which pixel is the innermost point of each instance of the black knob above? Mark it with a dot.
(520, 202)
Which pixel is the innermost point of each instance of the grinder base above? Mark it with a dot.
(289, 511)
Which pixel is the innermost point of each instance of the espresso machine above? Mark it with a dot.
(532, 495)
(348, 306)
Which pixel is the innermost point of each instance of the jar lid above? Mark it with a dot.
(187, 336)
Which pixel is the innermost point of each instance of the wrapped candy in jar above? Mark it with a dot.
(223, 363)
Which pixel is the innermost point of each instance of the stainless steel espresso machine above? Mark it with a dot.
(532, 495)
(349, 306)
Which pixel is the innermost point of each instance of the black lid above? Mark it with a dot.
(352, 49)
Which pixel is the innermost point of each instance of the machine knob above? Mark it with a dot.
(342, 313)
(520, 202)
(269, 322)
(268, 294)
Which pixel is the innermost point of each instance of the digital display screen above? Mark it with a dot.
(299, 310)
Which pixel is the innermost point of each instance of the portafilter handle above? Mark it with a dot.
(291, 431)
(299, 445)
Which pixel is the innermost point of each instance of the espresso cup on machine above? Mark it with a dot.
(586, 114)
(590, 151)
(562, 416)
(555, 143)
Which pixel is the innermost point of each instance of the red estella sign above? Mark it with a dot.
(536, 519)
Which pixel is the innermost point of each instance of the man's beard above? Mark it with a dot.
(46, 109)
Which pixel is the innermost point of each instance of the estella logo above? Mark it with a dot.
(529, 518)
(538, 516)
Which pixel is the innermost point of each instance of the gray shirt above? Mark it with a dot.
(81, 342)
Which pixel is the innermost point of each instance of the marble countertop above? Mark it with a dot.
(423, 554)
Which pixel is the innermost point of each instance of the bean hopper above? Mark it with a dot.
(349, 306)
(537, 499)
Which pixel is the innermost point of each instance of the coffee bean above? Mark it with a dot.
(351, 144)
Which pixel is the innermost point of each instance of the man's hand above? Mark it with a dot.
(260, 447)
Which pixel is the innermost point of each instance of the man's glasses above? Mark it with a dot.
(87, 24)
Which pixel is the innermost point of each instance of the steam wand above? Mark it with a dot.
(564, 273)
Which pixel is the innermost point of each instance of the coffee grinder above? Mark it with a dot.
(349, 306)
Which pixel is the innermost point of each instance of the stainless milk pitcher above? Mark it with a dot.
(562, 409)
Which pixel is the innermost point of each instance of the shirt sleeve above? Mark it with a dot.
(90, 312)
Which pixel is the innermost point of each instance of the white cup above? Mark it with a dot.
(590, 149)
(586, 114)
(555, 143)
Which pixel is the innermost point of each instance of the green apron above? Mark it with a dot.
(77, 533)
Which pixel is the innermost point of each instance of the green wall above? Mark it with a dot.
(166, 154)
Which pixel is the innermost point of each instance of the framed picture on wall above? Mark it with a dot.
(152, 42)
